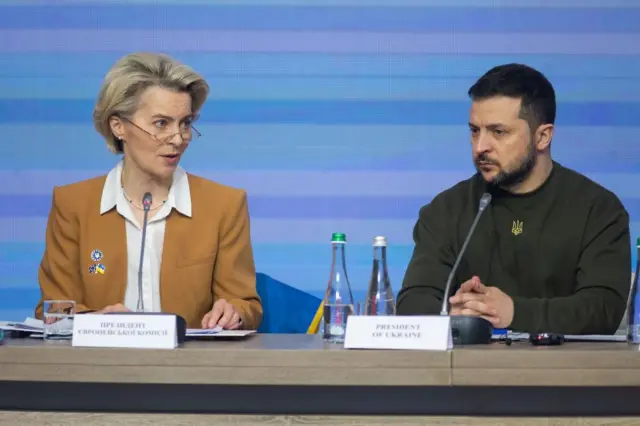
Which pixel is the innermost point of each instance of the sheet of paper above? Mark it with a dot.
(36, 326)
(596, 338)
(203, 331)
(217, 333)
(33, 322)
(512, 336)
(235, 333)
(29, 324)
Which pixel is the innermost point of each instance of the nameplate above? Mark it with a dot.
(125, 331)
(398, 332)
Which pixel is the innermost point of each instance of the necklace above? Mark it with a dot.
(131, 201)
(137, 206)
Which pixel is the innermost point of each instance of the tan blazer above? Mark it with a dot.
(206, 257)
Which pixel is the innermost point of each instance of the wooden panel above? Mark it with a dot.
(307, 376)
(544, 377)
(604, 355)
(571, 364)
(306, 359)
(97, 419)
(260, 359)
(258, 350)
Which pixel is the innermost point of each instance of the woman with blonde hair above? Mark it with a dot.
(198, 261)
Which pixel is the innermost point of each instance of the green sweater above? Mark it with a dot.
(562, 252)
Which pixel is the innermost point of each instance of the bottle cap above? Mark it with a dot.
(379, 241)
(338, 238)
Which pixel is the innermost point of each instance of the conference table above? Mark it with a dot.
(299, 379)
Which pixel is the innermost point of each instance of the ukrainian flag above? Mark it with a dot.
(315, 322)
(287, 309)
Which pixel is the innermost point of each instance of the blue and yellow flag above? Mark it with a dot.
(315, 322)
(287, 309)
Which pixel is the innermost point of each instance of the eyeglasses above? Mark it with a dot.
(187, 134)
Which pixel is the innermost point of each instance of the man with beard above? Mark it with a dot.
(551, 253)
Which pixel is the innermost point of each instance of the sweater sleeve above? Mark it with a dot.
(603, 276)
(432, 260)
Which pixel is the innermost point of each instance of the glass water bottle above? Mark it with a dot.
(380, 300)
(338, 299)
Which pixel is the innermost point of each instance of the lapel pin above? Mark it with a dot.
(96, 255)
(92, 269)
(100, 269)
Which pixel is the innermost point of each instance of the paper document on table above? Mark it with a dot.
(203, 331)
(510, 335)
(29, 324)
(567, 337)
(217, 332)
(596, 338)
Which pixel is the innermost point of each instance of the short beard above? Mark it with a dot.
(520, 174)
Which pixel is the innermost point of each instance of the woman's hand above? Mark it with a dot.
(223, 314)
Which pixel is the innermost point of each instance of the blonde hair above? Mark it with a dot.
(130, 77)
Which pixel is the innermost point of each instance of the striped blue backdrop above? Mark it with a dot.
(334, 115)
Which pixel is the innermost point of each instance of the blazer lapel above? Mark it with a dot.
(109, 235)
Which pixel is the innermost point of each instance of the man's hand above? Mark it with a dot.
(490, 303)
(223, 314)
(466, 287)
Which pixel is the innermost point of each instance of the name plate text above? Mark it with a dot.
(399, 332)
(125, 331)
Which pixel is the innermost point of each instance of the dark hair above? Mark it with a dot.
(522, 82)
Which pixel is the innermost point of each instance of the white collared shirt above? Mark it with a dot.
(179, 198)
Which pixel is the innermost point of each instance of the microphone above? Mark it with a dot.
(181, 324)
(147, 200)
(467, 329)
